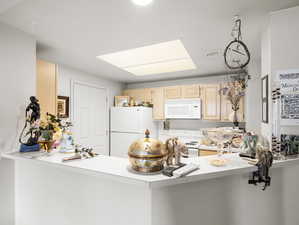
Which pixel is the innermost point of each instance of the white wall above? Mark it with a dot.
(266, 128)
(66, 74)
(17, 84)
(285, 46)
(253, 114)
(280, 51)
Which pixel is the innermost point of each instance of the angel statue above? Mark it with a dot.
(30, 133)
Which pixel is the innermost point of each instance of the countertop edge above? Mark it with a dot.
(154, 183)
(82, 171)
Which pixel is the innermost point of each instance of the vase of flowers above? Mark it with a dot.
(234, 92)
(49, 128)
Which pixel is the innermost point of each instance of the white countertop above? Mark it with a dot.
(117, 168)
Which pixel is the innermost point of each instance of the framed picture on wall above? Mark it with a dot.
(63, 106)
(265, 105)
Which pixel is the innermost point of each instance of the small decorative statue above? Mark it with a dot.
(30, 133)
(249, 144)
(81, 153)
(290, 144)
(175, 149)
(264, 162)
(66, 141)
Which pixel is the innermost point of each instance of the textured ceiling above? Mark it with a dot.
(75, 32)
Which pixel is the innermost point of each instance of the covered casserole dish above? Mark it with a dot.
(147, 155)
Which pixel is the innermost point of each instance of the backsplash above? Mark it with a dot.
(197, 124)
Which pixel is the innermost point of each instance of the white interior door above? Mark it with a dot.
(90, 117)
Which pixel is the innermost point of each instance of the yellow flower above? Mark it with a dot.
(57, 135)
(57, 129)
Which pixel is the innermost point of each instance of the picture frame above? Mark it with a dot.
(63, 106)
(265, 104)
(289, 97)
(120, 101)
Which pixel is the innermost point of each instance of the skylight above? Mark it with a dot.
(160, 58)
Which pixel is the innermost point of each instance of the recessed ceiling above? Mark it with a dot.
(75, 32)
(159, 58)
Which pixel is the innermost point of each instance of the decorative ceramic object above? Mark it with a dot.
(67, 143)
(175, 150)
(46, 145)
(249, 144)
(218, 162)
(147, 155)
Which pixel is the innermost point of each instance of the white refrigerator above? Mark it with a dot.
(127, 125)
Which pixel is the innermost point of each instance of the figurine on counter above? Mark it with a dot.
(81, 153)
(30, 133)
(66, 144)
(175, 149)
(264, 162)
(249, 145)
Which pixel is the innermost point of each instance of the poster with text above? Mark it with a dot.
(289, 104)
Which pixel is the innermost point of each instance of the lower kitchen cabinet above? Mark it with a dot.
(207, 152)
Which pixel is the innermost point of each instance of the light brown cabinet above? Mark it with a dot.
(191, 91)
(173, 92)
(46, 79)
(139, 95)
(211, 101)
(158, 103)
(214, 106)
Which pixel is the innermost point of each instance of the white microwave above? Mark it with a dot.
(183, 109)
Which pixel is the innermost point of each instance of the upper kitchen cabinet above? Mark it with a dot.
(158, 103)
(142, 95)
(226, 109)
(173, 92)
(46, 86)
(211, 101)
(191, 91)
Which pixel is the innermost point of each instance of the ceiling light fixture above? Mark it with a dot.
(142, 2)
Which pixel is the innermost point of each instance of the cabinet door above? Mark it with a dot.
(173, 92)
(207, 153)
(140, 95)
(146, 95)
(158, 103)
(126, 92)
(211, 101)
(226, 109)
(191, 91)
(46, 90)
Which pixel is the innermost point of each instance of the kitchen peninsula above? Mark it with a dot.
(106, 192)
